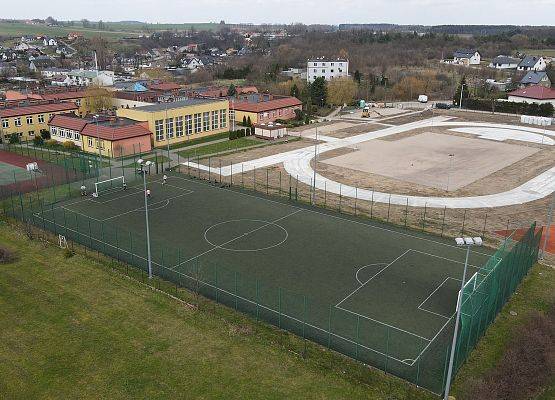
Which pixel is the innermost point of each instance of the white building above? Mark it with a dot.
(467, 57)
(533, 94)
(326, 68)
(81, 77)
(504, 62)
(532, 63)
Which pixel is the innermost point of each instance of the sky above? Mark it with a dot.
(420, 12)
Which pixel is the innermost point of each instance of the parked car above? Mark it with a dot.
(443, 106)
(422, 98)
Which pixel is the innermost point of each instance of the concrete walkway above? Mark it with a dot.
(297, 164)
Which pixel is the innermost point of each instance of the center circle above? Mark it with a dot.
(245, 235)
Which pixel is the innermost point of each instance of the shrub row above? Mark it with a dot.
(239, 133)
(510, 107)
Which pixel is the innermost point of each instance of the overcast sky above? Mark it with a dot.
(424, 12)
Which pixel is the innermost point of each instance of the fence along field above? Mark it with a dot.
(373, 291)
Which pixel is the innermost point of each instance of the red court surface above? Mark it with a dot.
(550, 248)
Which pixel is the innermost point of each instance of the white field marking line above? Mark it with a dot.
(142, 208)
(242, 298)
(232, 240)
(455, 313)
(431, 294)
(382, 323)
(372, 277)
(118, 198)
(332, 216)
(364, 266)
(445, 258)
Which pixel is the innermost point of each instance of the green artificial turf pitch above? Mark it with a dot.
(378, 293)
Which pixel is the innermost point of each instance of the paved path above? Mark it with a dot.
(297, 164)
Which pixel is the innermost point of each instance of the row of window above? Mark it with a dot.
(332, 64)
(20, 134)
(17, 120)
(324, 71)
(185, 125)
(64, 133)
(90, 142)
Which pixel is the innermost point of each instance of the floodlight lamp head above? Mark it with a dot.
(477, 241)
(148, 163)
(459, 241)
(468, 241)
(140, 161)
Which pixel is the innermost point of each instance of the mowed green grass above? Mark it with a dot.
(71, 328)
(219, 147)
(20, 29)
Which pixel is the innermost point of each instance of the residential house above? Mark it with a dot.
(29, 121)
(263, 108)
(467, 57)
(50, 42)
(504, 62)
(81, 77)
(532, 63)
(112, 137)
(40, 63)
(192, 64)
(535, 78)
(326, 68)
(533, 94)
(52, 72)
(180, 121)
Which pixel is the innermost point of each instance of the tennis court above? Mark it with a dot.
(376, 293)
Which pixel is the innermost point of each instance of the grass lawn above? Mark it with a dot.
(228, 145)
(206, 139)
(73, 328)
(536, 293)
(20, 29)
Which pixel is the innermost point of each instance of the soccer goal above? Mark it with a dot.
(109, 185)
(468, 289)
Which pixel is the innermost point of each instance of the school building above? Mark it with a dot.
(264, 108)
(179, 121)
(28, 121)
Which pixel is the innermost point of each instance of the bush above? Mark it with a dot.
(38, 141)
(13, 138)
(6, 255)
(68, 253)
(232, 135)
(51, 143)
(509, 107)
(69, 145)
(45, 134)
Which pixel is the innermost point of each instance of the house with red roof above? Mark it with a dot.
(111, 136)
(264, 108)
(533, 94)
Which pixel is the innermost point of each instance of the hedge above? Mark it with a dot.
(510, 107)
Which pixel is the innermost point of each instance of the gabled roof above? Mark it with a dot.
(37, 109)
(68, 121)
(123, 128)
(529, 61)
(269, 105)
(464, 53)
(533, 77)
(535, 92)
(69, 95)
(164, 86)
(505, 60)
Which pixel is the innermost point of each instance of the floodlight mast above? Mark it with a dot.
(142, 163)
(468, 242)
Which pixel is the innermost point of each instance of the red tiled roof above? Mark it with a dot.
(38, 109)
(265, 106)
(68, 122)
(65, 95)
(115, 132)
(535, 92)
(164, 86)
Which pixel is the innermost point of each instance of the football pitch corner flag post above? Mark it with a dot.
(468, 242)
(147, 164)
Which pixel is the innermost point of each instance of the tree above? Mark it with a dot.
(249, 122)
(357, 76)
(96, 99)
(38, 141)
(45, 134)
(318, 91)
(294, 91)
(13, 138)
(231, 91)
(465, 92)
(341, 91)
(244, 120)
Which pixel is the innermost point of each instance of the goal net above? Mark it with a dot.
(468, 289)
(109, 185)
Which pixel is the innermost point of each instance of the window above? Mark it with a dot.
(5, 123)
(77, 136)
(78, 102)
(169, 128)
(198, 122)
(31, 133)
(215, 122)
(62, 133)
(30, 120)
(52, 131)
(223, 119)
(179, 126)
(90, 142)
(189, 124)
(41, 118)
(159, 129)
(206, 121)
(101, 144)
(69, 134)
(17, 121)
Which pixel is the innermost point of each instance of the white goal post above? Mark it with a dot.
(108, 185)
(62, 241)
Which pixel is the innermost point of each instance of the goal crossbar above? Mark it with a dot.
(109, 184)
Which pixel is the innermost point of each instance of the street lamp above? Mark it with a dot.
(462, 88)
(95, 117)
(142, 163)
(451, 158)
(468, 242)
(315, 164)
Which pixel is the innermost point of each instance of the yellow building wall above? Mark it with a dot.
(105, 146)
(25, 127)
(152, 116)
(240, 114)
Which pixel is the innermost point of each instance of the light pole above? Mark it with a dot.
(315, 163)
(462, 88)
(451, 157)
(468, 242)
(548, 226)
(168, 131)
(147, 164)
(95, 117)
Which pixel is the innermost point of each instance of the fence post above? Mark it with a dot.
(267, 180)
(406, 212)
(443, 222)
(279, 307)
(356, 198)
(464, 220)
(279, 191)
(235, 288)
(340, 186)
(254, 179)
(372, 204)
(231, 175)
(424, 218)
(484, 228)
(257, 299)
(329, 326)
(388, 206)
